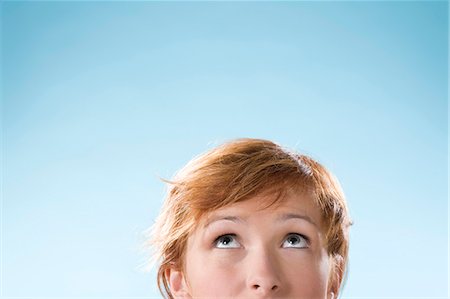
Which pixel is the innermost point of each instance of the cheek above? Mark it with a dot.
(214, 275)
(308, 277)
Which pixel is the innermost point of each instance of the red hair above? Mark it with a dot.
(234, 172)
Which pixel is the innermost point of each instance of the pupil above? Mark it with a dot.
(293, 240)
(226, 240)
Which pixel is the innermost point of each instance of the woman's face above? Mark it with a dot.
(247, 251)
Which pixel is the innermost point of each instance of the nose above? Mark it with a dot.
(263, 273)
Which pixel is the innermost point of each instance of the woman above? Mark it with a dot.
(250, 219)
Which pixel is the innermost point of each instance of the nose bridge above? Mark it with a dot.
(263, 270)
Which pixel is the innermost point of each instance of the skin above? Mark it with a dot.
(247, 251)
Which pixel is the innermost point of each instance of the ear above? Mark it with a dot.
(336, 277)
(177, 282)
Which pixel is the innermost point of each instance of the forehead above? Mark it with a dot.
(291, 202)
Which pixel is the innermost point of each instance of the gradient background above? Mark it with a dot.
(99, 99)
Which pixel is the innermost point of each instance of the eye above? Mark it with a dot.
(294, 240)
(227, 241)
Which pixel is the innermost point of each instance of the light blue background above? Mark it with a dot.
(100, 99)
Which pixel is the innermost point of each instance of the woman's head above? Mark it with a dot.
(252, 219)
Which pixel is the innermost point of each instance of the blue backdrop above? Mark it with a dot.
(99, 99)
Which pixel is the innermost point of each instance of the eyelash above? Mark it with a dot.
(214, 243)
(308, 242)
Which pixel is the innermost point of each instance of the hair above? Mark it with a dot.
(234, 172)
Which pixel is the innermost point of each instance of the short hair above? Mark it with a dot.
(234, 172)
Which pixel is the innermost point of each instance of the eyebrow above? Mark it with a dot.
(280, 218)
(229, 218)
(288, 216)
